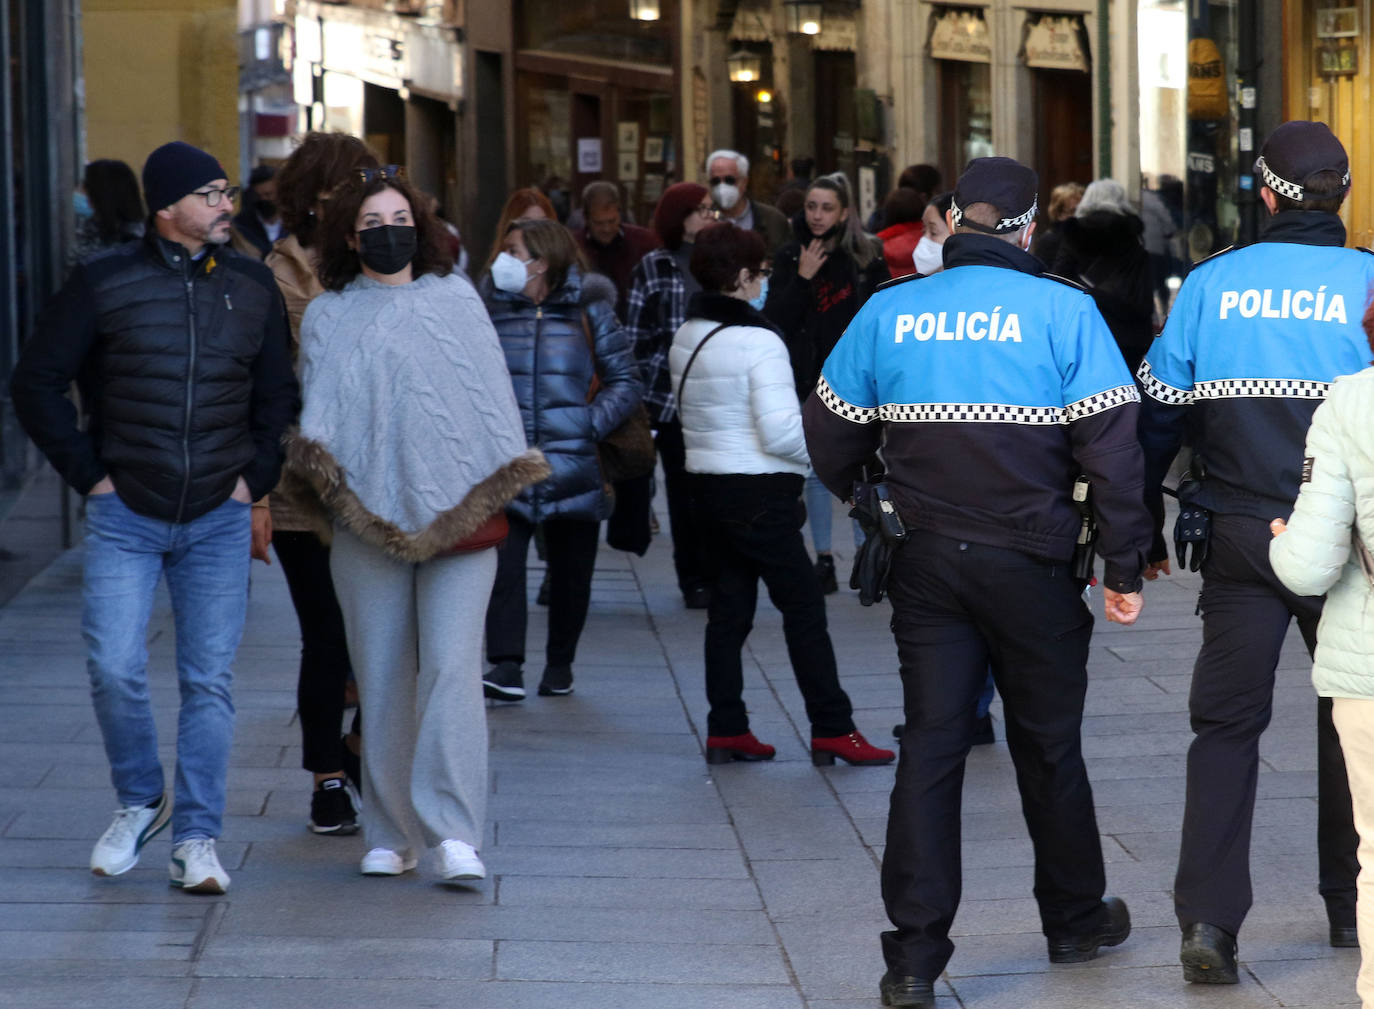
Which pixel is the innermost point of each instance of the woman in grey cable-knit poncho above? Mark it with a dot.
(411, 441)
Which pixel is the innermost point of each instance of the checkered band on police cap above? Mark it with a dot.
(1004, 183)
(1295, 152)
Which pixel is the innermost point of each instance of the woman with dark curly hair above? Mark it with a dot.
(411, 441)
(113, 209)
(305, 183)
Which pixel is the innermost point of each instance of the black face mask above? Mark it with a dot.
(831, 232)
(267, 209)
(387, 249)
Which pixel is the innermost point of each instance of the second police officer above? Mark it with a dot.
(990, 388)
(1251, 347)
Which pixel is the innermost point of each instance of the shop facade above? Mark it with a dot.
(1329, 71)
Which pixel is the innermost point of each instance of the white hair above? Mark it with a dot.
(1104, 194)
(741, 162)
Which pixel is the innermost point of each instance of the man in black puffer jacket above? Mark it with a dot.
(179, 347)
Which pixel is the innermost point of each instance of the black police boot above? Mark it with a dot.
(903, 991)
(825, 573)
(1115, 927)
(1208, 954)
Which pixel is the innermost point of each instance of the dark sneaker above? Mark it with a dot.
(332, 810)
(556, 681)
(504, 682)
(825, 574)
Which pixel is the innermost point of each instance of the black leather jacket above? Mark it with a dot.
(183, 366)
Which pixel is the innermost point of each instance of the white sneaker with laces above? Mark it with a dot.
(385, 862)
(458, 861)
(195, 867)
(134, 826)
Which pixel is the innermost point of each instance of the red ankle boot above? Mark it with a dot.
(723, 749)
(852, 749)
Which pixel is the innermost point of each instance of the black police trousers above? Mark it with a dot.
(1245, 615)
(956, 608)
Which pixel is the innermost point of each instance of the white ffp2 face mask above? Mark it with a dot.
(726, 196)
(928, 256)
(509, 274)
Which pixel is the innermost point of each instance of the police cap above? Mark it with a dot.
(1295, 152)
(1004, 183)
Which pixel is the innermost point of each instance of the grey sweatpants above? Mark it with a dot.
(415, 640)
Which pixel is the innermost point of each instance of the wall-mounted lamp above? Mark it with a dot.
(804, 16)
(645, 10)
(745, 67)
(764, 96)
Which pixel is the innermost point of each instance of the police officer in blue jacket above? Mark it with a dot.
(990, 387)
(1253, 342)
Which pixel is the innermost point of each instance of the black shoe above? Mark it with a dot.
(1208, 955)
(1345, 937)
(898, 730)
(556, 681)
(825, 573)
(1115, 927)
(903, 991)
(542, 597)
(982, 731)
(331, 809)
(697, 598)
(504, 682)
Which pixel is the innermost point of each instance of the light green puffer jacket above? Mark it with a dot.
(1316, 555)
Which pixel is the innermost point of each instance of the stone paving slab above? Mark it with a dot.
(624, 871)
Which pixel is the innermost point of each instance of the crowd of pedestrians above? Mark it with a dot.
(313, 374)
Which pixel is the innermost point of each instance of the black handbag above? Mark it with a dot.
(884, 534)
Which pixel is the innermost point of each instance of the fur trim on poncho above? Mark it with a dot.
(318, 483)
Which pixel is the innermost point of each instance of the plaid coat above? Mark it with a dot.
(654, 311)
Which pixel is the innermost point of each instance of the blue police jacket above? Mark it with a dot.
(990, 387)
(1255, 338)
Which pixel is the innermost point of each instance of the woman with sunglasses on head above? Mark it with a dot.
(576, 382)
(410, 439)
(746, 459)
(820, 281)
(660, 287)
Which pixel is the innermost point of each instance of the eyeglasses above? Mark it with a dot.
(385, 173)
(728, 180)
(213, 196)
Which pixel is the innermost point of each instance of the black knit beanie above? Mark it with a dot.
(175, 169)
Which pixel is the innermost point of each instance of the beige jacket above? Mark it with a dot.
(294, 267)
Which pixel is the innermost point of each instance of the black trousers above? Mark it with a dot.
(570, 545)
(958, 607)
(324, 650)
(1245, 615)
(753, 524)
(688, 547)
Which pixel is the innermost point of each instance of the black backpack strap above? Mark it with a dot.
(692, 360)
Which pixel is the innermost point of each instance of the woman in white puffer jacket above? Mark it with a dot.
(746, 460)
(1317, 552)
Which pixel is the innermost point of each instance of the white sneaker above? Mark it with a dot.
(195, 867)
(385, 862)
(458, 860)
(134, 826)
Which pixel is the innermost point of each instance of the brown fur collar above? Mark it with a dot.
(316, 481)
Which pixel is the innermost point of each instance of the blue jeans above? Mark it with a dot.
(206, 564)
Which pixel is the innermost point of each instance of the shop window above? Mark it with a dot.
(599, 28)
(962, 49)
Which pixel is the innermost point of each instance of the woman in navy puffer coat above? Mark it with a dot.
(545, 326)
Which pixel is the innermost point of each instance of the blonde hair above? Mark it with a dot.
(1061, 197)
